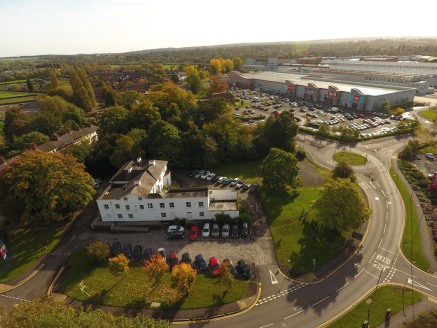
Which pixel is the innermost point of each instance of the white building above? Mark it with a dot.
(140, 192)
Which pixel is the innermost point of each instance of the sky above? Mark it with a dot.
(30, 27)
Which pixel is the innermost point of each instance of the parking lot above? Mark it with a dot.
(261, 106)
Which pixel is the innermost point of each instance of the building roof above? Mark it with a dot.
(305, 79)
(67, 139)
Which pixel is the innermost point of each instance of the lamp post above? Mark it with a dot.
(376, 288)
(403, 298)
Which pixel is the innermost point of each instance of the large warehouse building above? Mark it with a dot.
(316, 88)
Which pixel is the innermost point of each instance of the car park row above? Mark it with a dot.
(225, 181)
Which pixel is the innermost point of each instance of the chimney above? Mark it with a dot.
(152, 162)
(139, 161)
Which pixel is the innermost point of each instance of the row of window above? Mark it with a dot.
(150, 205)
(163, 215)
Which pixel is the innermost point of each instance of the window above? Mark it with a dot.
(117, 205)
(127, 207)
(201, 213)
(188, 204)
(149, 205)
(161, 205)
(142, 207)
(200, 204)
(171, 204)
(131, 216)
(163, 215)
(120, 216)
(125, 198)
(106, 206)
(140, 198)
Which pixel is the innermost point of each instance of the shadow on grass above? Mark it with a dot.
(275, 202)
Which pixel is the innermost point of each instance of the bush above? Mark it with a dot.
(97, 251)
(300, 154)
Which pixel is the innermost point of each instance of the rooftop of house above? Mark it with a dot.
(67, 139)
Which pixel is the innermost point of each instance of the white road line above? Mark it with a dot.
(267, 325)
(383, 193)
(14, 298)
(371, 257)
(387, 250)
(359, 273)
(320, 301)
(292, 315)
(430, 284)
(371, 274)
(342, 287)
(380, 242)
(385, 225)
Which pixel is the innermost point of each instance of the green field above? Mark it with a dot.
(7, 95)
(411, 231)
(25, 246)
(242, 170)
(374, 307)
(350, 158)
(14, 100)
(135, 290)
(430, 115)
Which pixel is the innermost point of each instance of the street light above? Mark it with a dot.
(403, 297)
(376, 288)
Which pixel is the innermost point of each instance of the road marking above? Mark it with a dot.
(380, 243)
(430, 284)
(385, 225)
(267, 325)
(371, 274)
(376, 198)
(359, 273)
(364, 185)
(320, 301)
(273, 278)
(387, 250)
(15, 298)
(342, 287)
(410, 281)
(293, 315)
(383, 193)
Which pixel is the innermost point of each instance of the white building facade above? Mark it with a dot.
(140, 192)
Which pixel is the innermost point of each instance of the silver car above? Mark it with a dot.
(226, 230)
(215, 231)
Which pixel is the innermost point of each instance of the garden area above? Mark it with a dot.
(135, 290)
(350, 158)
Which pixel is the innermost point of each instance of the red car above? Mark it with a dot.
(194, 233)
(214, 266)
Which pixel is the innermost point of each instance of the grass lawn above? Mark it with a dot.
(5, 95)
(242, 170)
(411, 226)
(26, 245)
(297, 243)
(430, 115)
(136, 291)
(350, 158)
(387, 297)
(23, 98)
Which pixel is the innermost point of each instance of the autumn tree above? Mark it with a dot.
(226, 277)
(279, 170)
(183, 276)
(44, 187)
(50, 313)
(97, 251)
(155, 268)
(119, 265)
(215, 66)
(217, 84)
(193, 79)
(341, 206)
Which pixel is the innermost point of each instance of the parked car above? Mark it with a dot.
(429, 155)
(215, 231)
(116, 249)
(127, 250)
(161, 251)
(210, 176)
(220, 179)
(235, 231)
(201, 262)
(194, 173)
(173, 259)
(148, 252)
(227, 181)
(204, 175)
(214, 266)
(199, 173)
(194, 233)
(205, 230)
(175, 234)
(175, 228)
(240, 184)
(226, 229)
(243, 269)
(234, 182)
(246, 186)
(254, 187)
(137, 253)
(186, 258)
(230, 266)
(245, 229)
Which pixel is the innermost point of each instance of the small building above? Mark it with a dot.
(69, 139)
(141, 192)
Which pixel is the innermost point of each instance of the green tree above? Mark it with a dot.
(129, 99)
(97, 251)
(80, 152)
(50, 313)
(16, 123)
(26, 140)
(83, 93)
(164, 142)
(47, 123)
(110, 98)
(238, 63)
(53, 79)
(343, 171)
(385, 107)
(44, 187)
(63, 91)
(279, 170)
(341, 206)
(112, 120)
(29, 85)
(193, 79)
(122, 152)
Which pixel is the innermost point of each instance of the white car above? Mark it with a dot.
(210, 176)
(226, 230)
(205, 230)
(429, 155)
(204, 175)
(175, 228)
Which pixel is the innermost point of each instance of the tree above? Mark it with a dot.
(97, 251)
(47, 123)
(53, 79)
(238, 63)
(81, 152)
(399, 111)
(341, 206)
(164, 142)
(183, 276)
(215, 66)
(155, 268)
(83, 93)
(112, 120)
(119, 265)
(226, 277)
(385, 106)
(193, 79)
(122, 152)
(129, 98)
(217, 84)
(44, 187)
(343, 171)
(279, 170)
(26, 140)
(50, 313)
(16, 123)
(280, 132)
(29, 85)
(109, 98)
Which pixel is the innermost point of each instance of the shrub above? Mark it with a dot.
(97, 251)
(300, 154)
